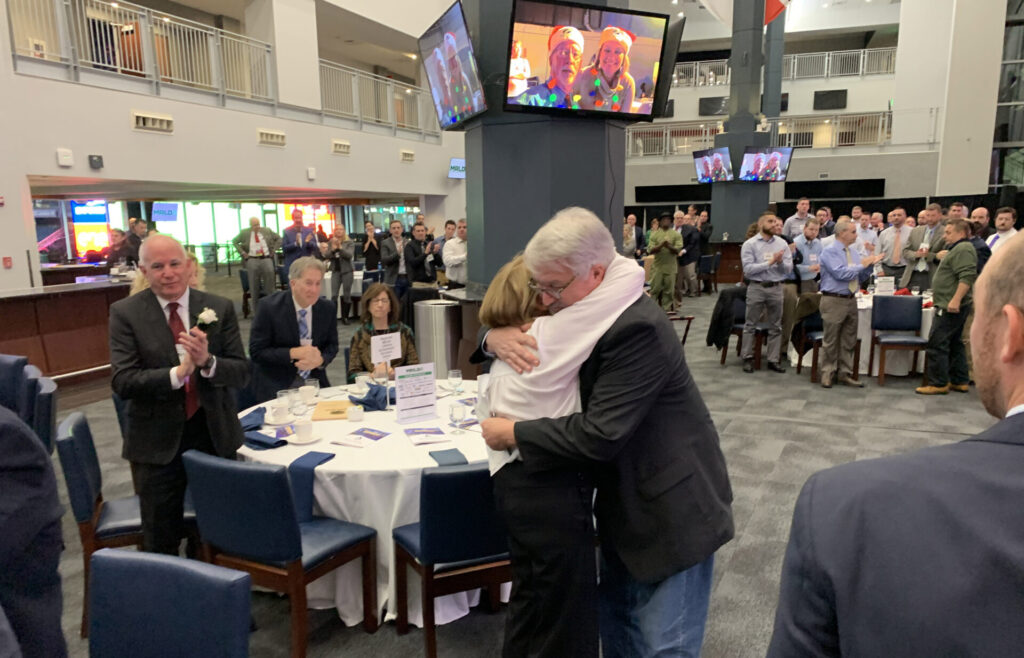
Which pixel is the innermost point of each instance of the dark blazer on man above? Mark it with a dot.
(294, 245)
(142, 352)
(389, 258)
(416, 262)
(691, 243)
(915, 555)
(275, 331)
(30, 541)
(663, 494)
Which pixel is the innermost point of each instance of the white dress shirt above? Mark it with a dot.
(1019, 409)
(182, 311)
(257, 248)
(454, 257)
(998, 239)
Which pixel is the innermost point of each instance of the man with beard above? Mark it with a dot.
(931, 542)
(565, 54)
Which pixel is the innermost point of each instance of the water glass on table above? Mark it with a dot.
(455, 380)
(457, 414)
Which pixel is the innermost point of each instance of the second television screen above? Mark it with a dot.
(713, 165)
(572, 58)
(765, 164)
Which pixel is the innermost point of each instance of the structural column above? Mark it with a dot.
(290, 27)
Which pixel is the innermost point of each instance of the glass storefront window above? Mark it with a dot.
(227, 223)
(199, 218)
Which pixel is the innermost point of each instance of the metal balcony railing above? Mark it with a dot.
(875, 61)
(817, 131)
(353, 94)
(127, 39)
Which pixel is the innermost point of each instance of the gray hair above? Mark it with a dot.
(300, 266)
(156, 239)
(843, 225)
(574, 238)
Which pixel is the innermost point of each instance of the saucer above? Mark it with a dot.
(289, 419)
(296, 441)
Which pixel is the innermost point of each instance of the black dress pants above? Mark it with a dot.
(947, 357)
(161, 490)
(553, 610)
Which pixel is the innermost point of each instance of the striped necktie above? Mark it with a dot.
(303, 336)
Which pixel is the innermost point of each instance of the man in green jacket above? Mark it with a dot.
(665, 245)
(951, 286)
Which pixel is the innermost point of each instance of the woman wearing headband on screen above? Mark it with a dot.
(458, 82)
(439, 85)
(772, 170)
(565, 54)
(518, 70)
(607, 85)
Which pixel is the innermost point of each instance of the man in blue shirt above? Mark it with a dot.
(767, 261)
(841, 269)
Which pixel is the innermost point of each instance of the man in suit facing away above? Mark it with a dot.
(175, 353)
(295, 334)
(257, 246)
(922, 554)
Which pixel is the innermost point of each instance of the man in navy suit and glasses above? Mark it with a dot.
(922, 554)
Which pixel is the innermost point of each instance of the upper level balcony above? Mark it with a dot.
(840, 63)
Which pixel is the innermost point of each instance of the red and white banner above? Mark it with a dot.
(772, 9)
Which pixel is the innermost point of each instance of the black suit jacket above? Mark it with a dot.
(663, 494)
(416, 262)
(142, 354)
(691, 243)
(915, 555)
(275, 330)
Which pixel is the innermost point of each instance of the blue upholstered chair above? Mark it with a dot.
(895, 313)
(146, 605)
(458, 544)
(101, 524)
(11, 367)
(248, 522)
(44, 418)
(26, 394)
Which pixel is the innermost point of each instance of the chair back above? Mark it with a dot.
(370, 277)
(243, 276)
(27, 393)
(81, 467)
(358, 265)
(718, 261)
(706, 265)
(896, 313)
(45, 416)
(147, 605)
(458, 517)
(813, 322)
(244, 509)
(11, 367)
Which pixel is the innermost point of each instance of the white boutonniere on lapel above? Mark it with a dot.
(206, 319)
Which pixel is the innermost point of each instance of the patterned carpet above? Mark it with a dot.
(776, 430)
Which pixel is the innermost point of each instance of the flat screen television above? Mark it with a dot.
(833, 99)
(452, 72)
(713, 165)
(457, 168)
(578, 60)
(662, 102)
(765, 164)
(713, 106)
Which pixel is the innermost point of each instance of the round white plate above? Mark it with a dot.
(295, 440)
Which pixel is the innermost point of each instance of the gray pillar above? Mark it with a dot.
(522, 168)
(735, 205)
(773, 47)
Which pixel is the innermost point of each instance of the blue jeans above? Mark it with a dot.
(641, 620)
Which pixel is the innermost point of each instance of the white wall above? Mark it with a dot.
(290, 27)
(409, 17)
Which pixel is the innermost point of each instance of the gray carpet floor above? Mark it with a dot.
(776, 430)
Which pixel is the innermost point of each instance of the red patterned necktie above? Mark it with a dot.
(191, 394)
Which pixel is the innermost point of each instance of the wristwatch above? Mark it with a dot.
(209, 363)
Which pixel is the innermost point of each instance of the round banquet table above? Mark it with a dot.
(378, 486)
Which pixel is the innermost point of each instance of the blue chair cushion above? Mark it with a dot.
(901, 339)
(408, 537)
(815, 336)
(119, 517)
(322, 538)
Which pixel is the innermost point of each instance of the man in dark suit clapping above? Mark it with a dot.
(922, 554)
(417, 251)
(176, 354)
(295, 334)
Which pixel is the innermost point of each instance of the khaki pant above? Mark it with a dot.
(839, 317)
(769, 302)
(662, 288)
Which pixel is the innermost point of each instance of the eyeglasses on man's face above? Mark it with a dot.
(555, 292)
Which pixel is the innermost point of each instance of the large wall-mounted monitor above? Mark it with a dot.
(452, 73)
(765, 164)
(833, 99)
(713, 165)
(580, 60)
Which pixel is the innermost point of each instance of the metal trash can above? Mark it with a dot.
(438, 329)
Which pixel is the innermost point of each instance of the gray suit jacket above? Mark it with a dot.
(142, 353)
(915, 555)
(241, 241)
(937, 244)
(389, 258)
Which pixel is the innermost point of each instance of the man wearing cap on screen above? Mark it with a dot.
(607, 84)
(565, 54)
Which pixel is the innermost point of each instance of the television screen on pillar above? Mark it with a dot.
(452, 72)
(574, 59)
(713, 165)
(765, 164)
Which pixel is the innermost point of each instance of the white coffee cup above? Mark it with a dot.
(355, 413)
(277, 410)
(308, 394)
(303, 429)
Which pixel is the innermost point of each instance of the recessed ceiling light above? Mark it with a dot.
(681, 14)
(413, 56)
(675, 2)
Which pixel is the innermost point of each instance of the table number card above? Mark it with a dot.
(386, 347)
(415, 393)
(885, 285)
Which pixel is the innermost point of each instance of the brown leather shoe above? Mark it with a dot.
(932, 390)
(960, 388)
(847, 380)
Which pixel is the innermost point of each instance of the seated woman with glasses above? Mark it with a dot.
(379, 316)
(548, 515)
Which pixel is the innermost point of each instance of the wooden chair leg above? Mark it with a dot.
(370, 587)
(814, 363)
(686, 332)
(494, 597)
(913, 362)
(881, 365)
(429, 628)
(401, 592)
(299, 615)
(725, 350)
(856, 362)
(757, 351)
(871, 358)
(739, 344)
(800, 357)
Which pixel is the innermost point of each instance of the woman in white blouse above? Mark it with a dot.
(553, 608)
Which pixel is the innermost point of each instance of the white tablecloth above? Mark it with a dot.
(378, 486)
(897, 362)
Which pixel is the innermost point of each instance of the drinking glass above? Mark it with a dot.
(457, 414)
(915, 290)
(455, 380)
(294, 401)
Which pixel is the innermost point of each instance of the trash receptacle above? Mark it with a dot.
(438, 329)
